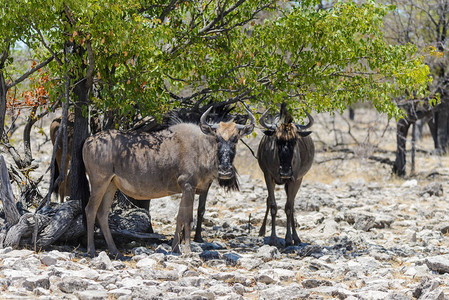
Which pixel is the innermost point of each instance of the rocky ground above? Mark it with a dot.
(365, 235)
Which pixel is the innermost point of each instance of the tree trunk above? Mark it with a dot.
(412, 169)
(433, 130)
(442, 128)
(79, 186)
(401, 139)
(3, 91)
(6, 195)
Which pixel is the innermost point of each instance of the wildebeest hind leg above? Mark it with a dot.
(291, 189)
(98, 190)
(102, 218)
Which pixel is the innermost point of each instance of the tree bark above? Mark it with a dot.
(3, 91)
(401, 138)
(60, 223)
(79, 186)
(7, 196)
(442, 128)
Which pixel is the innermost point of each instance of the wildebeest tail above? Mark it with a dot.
(53, 179)
(81, 184)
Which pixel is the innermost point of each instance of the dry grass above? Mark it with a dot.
(369, 134)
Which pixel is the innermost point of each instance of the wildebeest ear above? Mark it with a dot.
(268, 132)
(206, 129)
(304, 133)
(247, 129)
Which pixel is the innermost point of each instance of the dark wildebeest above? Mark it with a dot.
(185, 158)
(285, 155)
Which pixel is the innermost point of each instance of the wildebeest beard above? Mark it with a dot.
(231, 184)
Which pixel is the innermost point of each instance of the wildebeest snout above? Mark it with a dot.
(226, 154)
(285, 172)
(225, 172)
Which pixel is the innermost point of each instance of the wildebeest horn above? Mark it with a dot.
(203, 118)
(264, 123)
(304, 127)
(252, 118)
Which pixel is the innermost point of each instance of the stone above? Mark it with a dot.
(142, 250)
(231, 258)
(410, 183)
(434, 188)
(146, 263)
(209, 255)
(34, 282)
(313, 283)
(102, 262)
(41, 292)
(250, 263)
(268, 252)
(5, 250)
(264, 278)
(239, 288)
(438, 263)
(49, 260)
(92, 295)
(429, 289)
(121, 292)
(71, 284)
(288, 292)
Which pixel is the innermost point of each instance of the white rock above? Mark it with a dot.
(121, 292)
(410, 183)
(146, 262)
(102, 262)
(92, 295)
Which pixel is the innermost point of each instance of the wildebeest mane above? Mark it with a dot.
(219, 113)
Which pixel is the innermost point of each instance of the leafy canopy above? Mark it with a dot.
(151, 56)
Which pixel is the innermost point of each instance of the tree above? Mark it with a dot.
(149, 57)
(14, 30)
(425, 24)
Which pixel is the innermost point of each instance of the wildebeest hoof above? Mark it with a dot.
(119, 256)
(198, 240)
(273, 241)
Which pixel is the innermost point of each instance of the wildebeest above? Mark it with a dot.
(285, 155)
(63, 188)
(185, 158)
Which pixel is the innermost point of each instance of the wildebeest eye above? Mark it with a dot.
(268, 132)
(234, 139)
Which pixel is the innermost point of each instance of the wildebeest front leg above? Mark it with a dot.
(263, 228)
(291, 189)
(185, 216)
(201, 210)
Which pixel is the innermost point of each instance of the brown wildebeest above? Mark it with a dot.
(285, 155)
(63, 189)
(185, 158)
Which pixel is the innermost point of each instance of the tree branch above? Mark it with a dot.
(28, 73)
